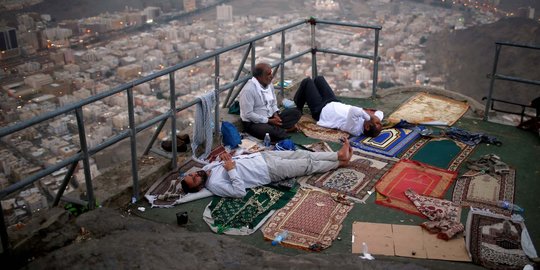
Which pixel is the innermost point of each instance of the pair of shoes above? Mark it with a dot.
(182, 142)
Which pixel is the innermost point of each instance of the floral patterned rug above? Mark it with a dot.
(309, 127)
(357, 180)
(312, 218)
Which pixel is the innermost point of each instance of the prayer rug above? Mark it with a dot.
(429, 109)
(484, 190)
(167, 191)
(319, 146)
(312, 218)
(310, 128)
(391, 142)
(357, 180)
(497, 241)
(408, 174)
(243, 216)
(439, 152)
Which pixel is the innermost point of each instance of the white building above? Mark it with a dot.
(224, 13)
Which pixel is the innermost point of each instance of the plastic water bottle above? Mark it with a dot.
(510, 206)
(280, 237)
(267, 140)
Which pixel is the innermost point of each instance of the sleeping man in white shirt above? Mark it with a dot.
(331, 113)
(232, 175)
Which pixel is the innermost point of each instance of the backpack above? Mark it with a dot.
(231, 136)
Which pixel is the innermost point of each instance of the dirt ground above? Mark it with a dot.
(111, 239)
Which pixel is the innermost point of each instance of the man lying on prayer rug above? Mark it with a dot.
(232, 175)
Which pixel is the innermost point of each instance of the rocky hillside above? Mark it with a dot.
(465, 57)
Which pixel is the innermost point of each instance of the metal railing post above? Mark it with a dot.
(133, 133)
(252, 44)
(216, 93)
(85, 160)
(65, 182)
(282, 63)
(172, 92)
(228, 103)
(492, 81)
(375, 64)
(314, 72)
(6, 250)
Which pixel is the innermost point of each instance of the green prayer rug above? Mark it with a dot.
(439, 152)
(243, 216)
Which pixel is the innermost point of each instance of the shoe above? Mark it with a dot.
(181, 146)
(183, 137)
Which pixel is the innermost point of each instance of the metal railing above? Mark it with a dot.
(86, 152)
(496, 76)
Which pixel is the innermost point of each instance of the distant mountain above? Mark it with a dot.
(467, 56)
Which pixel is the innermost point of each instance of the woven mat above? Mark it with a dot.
(313, 219)
(496, 241)
(391, 142)
(407, 174)
(167, 191)
(357, 180)
(309, 127)
(484, 190)
(439, 152)
(243, 216)
(429, 109)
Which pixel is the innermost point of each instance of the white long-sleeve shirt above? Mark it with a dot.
(251, 171)
(345, 117)
(257, 104)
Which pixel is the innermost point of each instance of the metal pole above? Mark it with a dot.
(282, 71)
(313, 22)
(236, 76)
(252, 44)
(85, 160)
(492, 81)
(65, 182)
(133, 140)
(6, 250)
(172, 91)
(375, 64)
(154, 137)
(216, 93)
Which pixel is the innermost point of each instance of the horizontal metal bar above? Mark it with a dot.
(509, 102)
(534, 47)
(294, 56)
(370, 57)
(152, 122)
(377, 27)
(235, 83)
(70, 107)
(516, 79)
(34, 177)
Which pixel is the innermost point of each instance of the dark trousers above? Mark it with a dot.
(289, 118)
(316, 93)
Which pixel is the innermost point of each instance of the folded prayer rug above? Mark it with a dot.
(484, 190)
(320, 146)
(497, 241)
(312, 218)
(439, 152)
(424, 108)
(309, 127)
(408, 174)
(357, 180)
(243, 216)
(391, 142)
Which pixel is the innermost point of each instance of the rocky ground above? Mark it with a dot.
(111, 239)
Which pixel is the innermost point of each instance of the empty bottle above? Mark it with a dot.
(280, 237)
(510, 206)
(267, 140)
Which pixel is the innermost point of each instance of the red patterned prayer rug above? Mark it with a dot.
(497, 241)
(440, 152)
(357, 180)
(408, 174)
(484, 190)
(309, 127)
(313, 219)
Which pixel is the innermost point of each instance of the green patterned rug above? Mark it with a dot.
(243, 216)
(439, 152)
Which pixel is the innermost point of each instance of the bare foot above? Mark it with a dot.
(345, 153)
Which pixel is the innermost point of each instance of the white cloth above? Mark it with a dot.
(257, 104)
(251, 171)
(345, 117)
